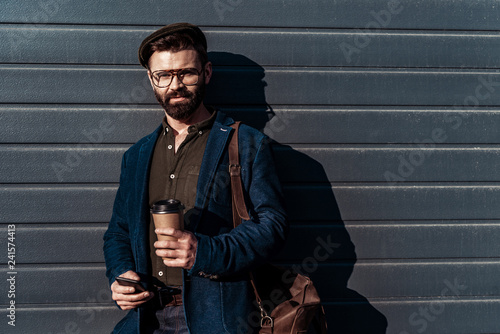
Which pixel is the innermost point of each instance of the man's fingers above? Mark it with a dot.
(172, 245)
(174, 253)
(131, 274)
(181, 253)
(185, 263)
(170, 231)
(182, 259)
(168, 253)
(171, 262)
(185, 240)
(167, 244)
(127, 305)
(132, 297)
(128, 297)
(122, 288)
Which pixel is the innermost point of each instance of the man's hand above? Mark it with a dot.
(180, 253)
(126, 296)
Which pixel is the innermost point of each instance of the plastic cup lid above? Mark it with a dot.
(167, 206)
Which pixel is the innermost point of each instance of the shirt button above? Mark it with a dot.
(160, 273)
(169, 147)
(200, 132)
(172, 176)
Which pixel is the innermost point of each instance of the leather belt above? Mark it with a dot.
(169, 297)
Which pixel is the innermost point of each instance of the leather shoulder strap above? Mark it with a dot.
(240, 210)
(238, 199)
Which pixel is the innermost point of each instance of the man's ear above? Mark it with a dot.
(208, 72)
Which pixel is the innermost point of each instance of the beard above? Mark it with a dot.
(185, 109)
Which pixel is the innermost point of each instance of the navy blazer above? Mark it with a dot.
(225, 304)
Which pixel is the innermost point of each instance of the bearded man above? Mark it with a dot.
(198, 283)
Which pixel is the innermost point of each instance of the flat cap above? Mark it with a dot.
(193, 31)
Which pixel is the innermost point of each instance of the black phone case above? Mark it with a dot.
(130, 282)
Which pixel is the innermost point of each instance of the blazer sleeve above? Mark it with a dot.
(117, 245)
(258, 239)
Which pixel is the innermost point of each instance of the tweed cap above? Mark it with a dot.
(193, 31)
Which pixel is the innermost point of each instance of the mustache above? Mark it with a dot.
(178, 94)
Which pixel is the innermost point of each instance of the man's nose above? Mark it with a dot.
(176, 83)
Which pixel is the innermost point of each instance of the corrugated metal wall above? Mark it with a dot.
(385, 117)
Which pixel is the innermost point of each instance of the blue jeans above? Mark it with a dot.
(171, 320)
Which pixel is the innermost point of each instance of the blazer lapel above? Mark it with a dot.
(216, 144)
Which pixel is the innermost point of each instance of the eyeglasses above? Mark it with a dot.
(188, 77)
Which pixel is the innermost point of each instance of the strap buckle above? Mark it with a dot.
(234, 169)
(265, 318)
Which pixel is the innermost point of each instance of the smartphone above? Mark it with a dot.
(130, 282)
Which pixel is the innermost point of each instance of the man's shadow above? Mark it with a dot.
(238, 89)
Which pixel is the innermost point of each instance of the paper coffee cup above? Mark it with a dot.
(168, 213)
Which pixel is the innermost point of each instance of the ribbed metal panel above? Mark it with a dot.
(384, 117)
(95, 44)
(417, 14)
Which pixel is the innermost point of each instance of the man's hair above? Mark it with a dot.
(176, 42)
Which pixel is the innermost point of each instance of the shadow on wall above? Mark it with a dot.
(325, 250)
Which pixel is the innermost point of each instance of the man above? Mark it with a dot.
(203, 284)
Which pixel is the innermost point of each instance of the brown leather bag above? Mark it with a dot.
(291, 304)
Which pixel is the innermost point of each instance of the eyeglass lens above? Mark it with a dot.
(188, 76)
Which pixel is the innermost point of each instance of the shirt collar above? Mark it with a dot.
(200, 126)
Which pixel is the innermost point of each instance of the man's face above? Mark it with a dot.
(178, 100)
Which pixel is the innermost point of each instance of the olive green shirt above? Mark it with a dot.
(174, 175)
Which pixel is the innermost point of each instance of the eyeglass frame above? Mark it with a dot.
(175, 73)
